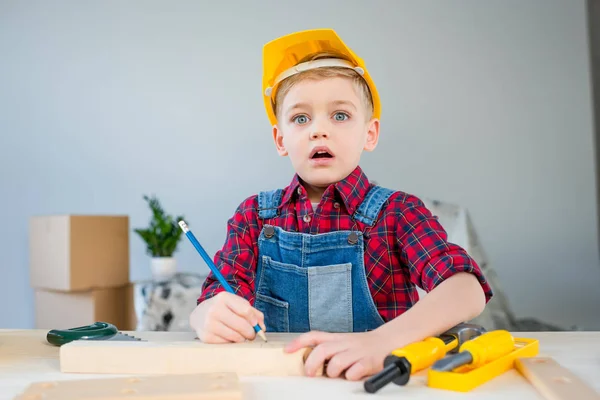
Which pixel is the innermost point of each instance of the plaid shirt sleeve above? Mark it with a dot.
(425, 249)
(237, 258)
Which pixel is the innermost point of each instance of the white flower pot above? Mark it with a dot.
(163, 268)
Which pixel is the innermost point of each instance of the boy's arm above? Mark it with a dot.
(457, 289)
(236, 260)
(457, 293)
(456, 299)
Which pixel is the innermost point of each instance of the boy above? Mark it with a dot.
(332, 255)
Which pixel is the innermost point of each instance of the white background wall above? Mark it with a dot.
(485, 104)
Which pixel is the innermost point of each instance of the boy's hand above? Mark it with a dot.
(225, 318)
(353, 355)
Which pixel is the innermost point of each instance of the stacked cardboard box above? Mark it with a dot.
(79, 269)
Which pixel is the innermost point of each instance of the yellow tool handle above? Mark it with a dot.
(488, 347)
(422, 354)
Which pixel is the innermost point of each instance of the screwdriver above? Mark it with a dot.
(479, 351)
(412, 358)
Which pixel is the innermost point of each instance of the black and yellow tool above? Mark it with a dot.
(480, 360)
(479, 351)
(403, 362)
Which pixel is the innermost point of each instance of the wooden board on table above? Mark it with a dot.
(217, 386)
(181, 357)
(18, 349)
(554, 381)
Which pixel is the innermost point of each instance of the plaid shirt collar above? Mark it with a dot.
(351, 190)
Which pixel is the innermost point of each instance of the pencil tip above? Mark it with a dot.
(262, 335)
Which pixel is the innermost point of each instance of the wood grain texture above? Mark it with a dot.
(554, 381)
(169, 387)
(181, 357)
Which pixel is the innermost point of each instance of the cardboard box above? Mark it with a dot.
(78, 252)
(64, 310)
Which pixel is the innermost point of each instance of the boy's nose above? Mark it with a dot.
(317, 134)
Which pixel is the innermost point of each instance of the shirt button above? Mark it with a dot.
(299, 191)
(306, 218)
(336, 205)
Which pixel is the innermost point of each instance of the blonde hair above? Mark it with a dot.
(357, 80)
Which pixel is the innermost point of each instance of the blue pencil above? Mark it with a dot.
(213, 268)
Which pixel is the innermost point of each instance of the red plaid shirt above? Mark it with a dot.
(406, 247)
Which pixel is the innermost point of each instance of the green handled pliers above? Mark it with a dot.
(95, 331)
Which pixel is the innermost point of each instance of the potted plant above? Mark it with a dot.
(161, 237)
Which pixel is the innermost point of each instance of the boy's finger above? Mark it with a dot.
(341, 362)
(211, 338)
(309, 339)
(238, 324)
(223, 331)
(261, 320)
(357, 371)
(321, 354)
(240, 306)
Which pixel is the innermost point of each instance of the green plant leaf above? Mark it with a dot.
(163, 233)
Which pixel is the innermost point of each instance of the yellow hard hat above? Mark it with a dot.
(281, 58)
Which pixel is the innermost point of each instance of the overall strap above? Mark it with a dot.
(369, 209)
(268, 203)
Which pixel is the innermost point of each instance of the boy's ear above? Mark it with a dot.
(372, 135)
(278, 138)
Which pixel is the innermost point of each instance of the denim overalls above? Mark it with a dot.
(315, 281)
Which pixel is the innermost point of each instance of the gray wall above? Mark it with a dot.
(485, 104)
(593, 11)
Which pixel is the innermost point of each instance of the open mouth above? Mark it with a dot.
(321, 152)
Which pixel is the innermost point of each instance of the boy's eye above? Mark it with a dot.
(340, 116)
(300, 119)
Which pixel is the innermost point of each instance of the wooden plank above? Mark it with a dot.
(19, 350)
(218, 386)
(181, 357)
(554, 381)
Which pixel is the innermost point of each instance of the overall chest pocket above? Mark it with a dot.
(299, 299)
(276, 312)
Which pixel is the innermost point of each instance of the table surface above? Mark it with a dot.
(26, 358)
